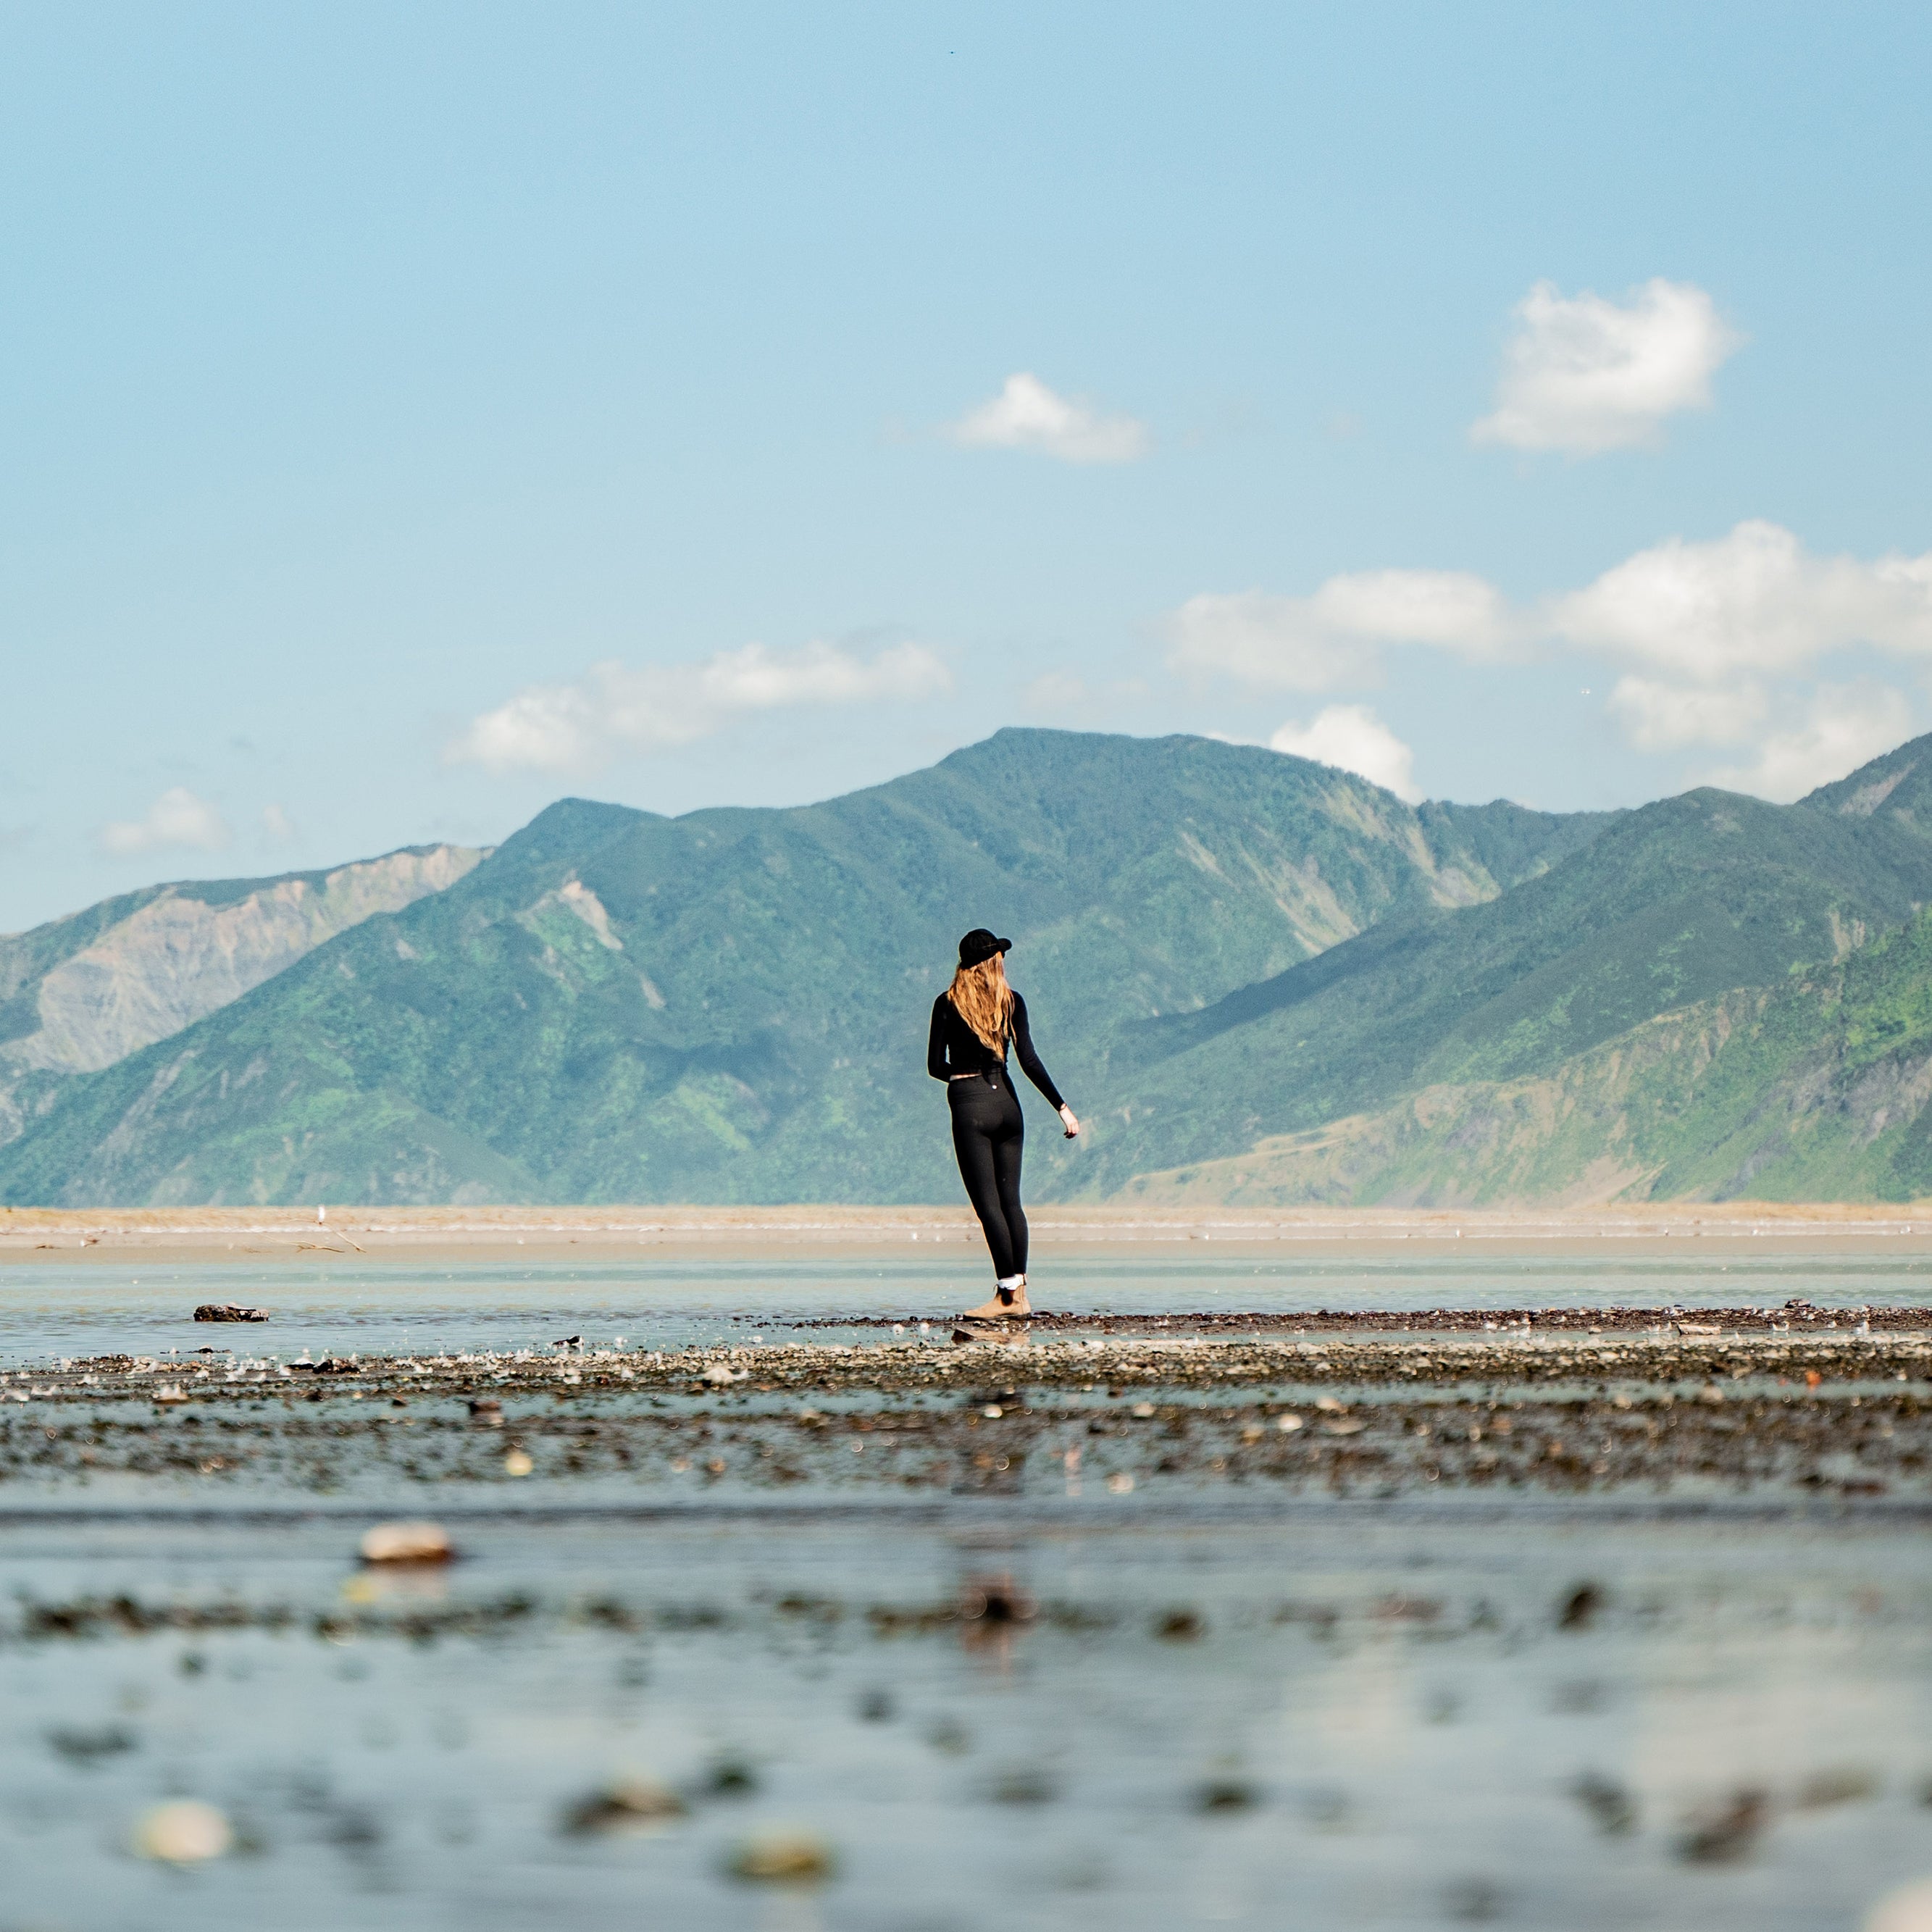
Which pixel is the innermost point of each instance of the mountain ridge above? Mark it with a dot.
(1253, 974)
(697, 1003)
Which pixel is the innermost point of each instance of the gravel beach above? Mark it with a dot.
(1571, 1400)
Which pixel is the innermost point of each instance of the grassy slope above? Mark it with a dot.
(1812, 1089)
(731, 1005)
(1672, 905)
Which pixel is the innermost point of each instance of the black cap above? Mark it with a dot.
(980, 944)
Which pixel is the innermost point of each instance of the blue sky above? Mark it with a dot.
(848, 382)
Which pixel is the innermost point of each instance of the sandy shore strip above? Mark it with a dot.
(479, 1233)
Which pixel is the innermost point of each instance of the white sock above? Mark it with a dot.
(1011, 1281)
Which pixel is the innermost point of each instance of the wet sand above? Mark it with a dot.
(556, 1235)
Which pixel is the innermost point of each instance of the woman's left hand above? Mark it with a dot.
(1072, 1126)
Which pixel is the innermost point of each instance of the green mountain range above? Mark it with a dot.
(1257, 978)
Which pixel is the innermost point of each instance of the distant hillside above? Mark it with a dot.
(731, 1005)
(1670, 906)
(1816, 1089)
(1811, 1083)
(81, 993)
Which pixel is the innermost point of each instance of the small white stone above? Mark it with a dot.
(183, 1833)
(1908, 1909)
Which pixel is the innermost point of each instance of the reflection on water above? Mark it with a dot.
(670, 1299)
(1339, 1720)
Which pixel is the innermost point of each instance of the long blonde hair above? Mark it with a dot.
(985, 1001)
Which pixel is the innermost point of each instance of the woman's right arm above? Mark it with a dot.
(935, 1045)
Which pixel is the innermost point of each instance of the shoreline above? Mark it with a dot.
(218, 1234)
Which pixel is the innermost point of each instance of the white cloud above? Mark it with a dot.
(1266, 641)
(1707, 633)
(277, 824)
(1332, 637)
(1352, 737)
(177, 817)
(1754, 601)
(1452, 608)
(1751, 603)
(1849, 725)
(1666, 717)
(1027, 415)
(612, 709)
(1584, 374)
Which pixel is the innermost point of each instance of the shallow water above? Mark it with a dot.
(1221, 1701)
(671, 1299)
(1328, 1719)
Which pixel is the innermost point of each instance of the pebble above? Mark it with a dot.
(1728, 1833)
(629, 1804)
(229, 1311)
(184, 1832)
(1579, 1609)
(1225, 1794)
(407, 1543)
(1611, 1806)
(516, 1463)
(783, 1857)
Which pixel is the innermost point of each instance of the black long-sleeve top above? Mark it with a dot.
(952, 1048)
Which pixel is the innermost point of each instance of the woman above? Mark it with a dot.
(972, 1022)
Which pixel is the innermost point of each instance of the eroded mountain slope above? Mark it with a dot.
(81, 993)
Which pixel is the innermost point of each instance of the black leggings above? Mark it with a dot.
(989, 1135)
